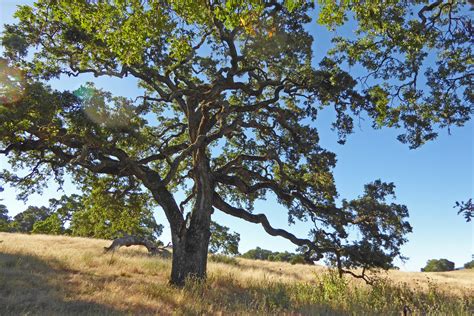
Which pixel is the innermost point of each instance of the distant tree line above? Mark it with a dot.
(264, 254)
(104, 213)
(80, 216)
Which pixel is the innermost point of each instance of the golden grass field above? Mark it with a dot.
(57, 275)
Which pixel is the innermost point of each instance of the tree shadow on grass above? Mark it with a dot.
(29, 285)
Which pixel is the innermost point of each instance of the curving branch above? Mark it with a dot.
(223, 206)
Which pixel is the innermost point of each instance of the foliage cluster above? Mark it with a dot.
(222, 241)
(263, 254)
(4, 219)
(99, 213)
(106, 214)
(466, 209)
(469, 265)
(438, 265)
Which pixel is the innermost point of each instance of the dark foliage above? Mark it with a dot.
(263, 254)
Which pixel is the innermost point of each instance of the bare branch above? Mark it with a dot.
(220, 204)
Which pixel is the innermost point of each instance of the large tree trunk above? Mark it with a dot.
(190, 244)
(190, 255)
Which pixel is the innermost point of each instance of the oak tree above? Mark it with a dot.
(23, 222)
(222, 241)
(230, 106)
(4, 219)
(438, 265)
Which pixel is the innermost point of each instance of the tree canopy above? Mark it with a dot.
(263, 254)
(230, 108)
(110, 208)
(4, 219)
(438, 265)
(469, 265)
(98, 213)
(23, 222)
(223, 241)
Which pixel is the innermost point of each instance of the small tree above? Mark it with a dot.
(257, 254)
(51, 226)
(222, 241)
(438, 265)
(469, 265)
(263, 254)
(113, 208)
(4, 219)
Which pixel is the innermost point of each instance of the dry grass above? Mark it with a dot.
(62, 275)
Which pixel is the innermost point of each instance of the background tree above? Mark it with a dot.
(113, 208)
(52, 225)
(263, 254)
(438, 265)
(239, 75)
(23, 222)
(98, 213)
(223, 241)
(257, 254)
(4, 219)
(469, 265)
(61, 211)
(65, 207)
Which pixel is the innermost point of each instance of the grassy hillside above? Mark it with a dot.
(63, 275)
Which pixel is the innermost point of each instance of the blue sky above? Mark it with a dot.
(429, 180)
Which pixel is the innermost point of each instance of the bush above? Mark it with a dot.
(223, 259)
(4, 218)
(435, 265)
(298, 259)
(469, 265)
(258, 254)
(51, 225)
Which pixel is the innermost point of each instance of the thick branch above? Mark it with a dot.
(129, 240)
(220, 204)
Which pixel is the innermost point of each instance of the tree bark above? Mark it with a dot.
(130, 240)
(190, 255)
(190, 244)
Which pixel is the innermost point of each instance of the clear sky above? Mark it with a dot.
(429, 180)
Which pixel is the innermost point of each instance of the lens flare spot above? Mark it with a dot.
(100, 108)
(11, 84)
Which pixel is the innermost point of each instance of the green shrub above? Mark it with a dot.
(223, 259)
(51, 225)
(298, 259)
(435, 265)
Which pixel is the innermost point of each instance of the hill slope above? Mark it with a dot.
(62, 275)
